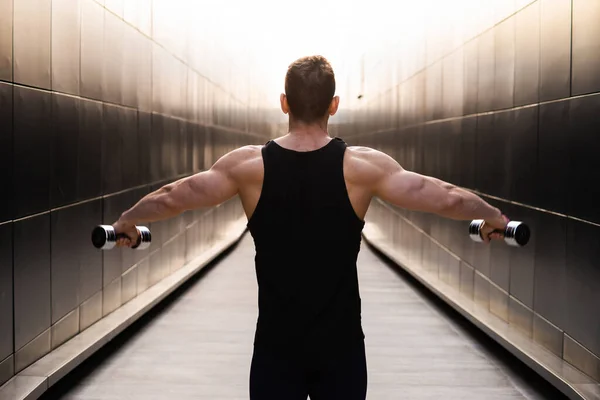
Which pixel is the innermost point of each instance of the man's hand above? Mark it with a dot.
(488, 228)
(128, 229)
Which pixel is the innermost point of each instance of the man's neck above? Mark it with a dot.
(314, 130)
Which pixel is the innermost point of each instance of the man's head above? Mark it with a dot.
(309, 90)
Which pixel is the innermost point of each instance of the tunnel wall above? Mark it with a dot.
(511, 112)
(99, 105)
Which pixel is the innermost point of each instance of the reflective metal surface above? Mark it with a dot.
(7, 369)
(504, 64)
(92, 49)
(580, 356)
(586, 47)
(31, 40)
(555, 49)
(548, 335)
(129, 285)
(90, 311)
(32, 122)
(32, 351)
(81, 161)
(65, 328)
(66, 45)
(510, 127)
(6, 147)
(6, 291)
(6, 40)
(520, 316)
(527, 55)
(32, 305)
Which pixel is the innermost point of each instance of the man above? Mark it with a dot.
(305, 195)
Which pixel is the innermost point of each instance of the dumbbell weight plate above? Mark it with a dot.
(474, 232)
(517, 234)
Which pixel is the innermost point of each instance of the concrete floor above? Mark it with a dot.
(198, 345)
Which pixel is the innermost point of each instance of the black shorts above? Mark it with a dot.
(321, 376)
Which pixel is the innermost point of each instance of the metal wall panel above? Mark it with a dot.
(6, 40)
(433, 92)
(6, 291)
(553, 140)
(583, 278)
(485, 71)
(31, 278)
(90, 259)
(116, 6)
(130, 148)
(32, 124)
(454, 71)
(64, 261)
(522, 260)
(113, 60)
(31, 40)
(139, 14)
(66, 45)
(112, 151)
(485, 134)
(89, 153)
(65, 131)
(555, 49)
(112, 208)
(467, 155)
(550, 280)
(586, 47)
(6, 149)
(527, 55)
(583, 167)
(504, 64)
(144, 130)
(523, 154)
(92, 49)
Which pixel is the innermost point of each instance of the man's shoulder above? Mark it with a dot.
(364, 164)
(245, 161)
(242, 155)
(365, 155)
(248, 151)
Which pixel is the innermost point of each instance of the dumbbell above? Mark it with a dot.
(515, 234)
(104, 237)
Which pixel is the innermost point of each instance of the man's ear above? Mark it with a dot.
(333, 107)
(285, 107)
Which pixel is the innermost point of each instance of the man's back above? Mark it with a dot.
(307, 238)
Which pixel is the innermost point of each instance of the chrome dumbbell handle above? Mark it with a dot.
(104, 237)
(515, 234)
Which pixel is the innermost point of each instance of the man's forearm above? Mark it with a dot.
(471, 206)
(467, 205)
(152, 207)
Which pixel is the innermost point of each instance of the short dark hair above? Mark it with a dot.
(309, 88)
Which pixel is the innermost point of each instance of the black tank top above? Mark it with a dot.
(307, 238)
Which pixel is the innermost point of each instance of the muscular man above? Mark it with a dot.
(305, 195)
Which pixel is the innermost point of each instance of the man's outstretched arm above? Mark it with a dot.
(205, 189)
(418, 192)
